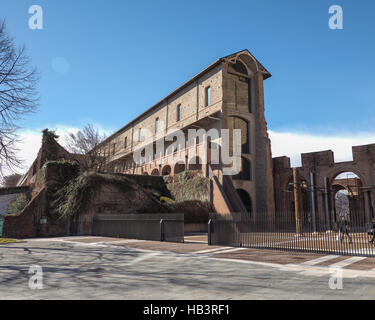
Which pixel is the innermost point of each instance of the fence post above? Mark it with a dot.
(297, 200)
(313, 200)
(162, 230)
(326, 202)
(209, 232)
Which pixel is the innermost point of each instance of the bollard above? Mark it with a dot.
(209, 232)
(162, 230)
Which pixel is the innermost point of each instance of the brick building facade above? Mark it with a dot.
(228, 94)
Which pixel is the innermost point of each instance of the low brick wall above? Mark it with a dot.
(140, 226)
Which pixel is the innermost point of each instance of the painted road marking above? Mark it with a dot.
(210, 250)
(123, 241)
(319, 260)
(143, 257)
(346, 262)
(230, 250)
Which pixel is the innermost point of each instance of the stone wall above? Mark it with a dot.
(37, 218)
(323, 166)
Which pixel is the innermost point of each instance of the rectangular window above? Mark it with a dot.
(179, 112)
(113, 148)
(156, 125)
(139, 134)
(126, 142)
(208, 96)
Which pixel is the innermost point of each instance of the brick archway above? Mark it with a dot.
(178, 168)
(166, 170)
(155, 172)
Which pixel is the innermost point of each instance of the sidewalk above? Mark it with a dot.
(196, 246)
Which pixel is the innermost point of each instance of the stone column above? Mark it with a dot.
(326, 203)
(367, 206)
(313, 201)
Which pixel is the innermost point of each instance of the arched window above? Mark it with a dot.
(207, 96)
(166, 171)
(240, 67)
(155, 172)
(246, 200)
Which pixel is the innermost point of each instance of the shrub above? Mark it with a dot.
(18, 204)
(73, 198)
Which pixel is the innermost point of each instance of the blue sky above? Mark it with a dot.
(106, 62)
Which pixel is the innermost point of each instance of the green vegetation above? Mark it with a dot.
(76, 195)
(74, 198)
(5, 241)
(65, 169)
(18, 204)
(164, 199)
(188, 186)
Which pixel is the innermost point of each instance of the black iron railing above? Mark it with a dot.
(349, 234)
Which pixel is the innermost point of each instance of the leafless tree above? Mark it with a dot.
(11, 180)
(18, 97)
(85, 143)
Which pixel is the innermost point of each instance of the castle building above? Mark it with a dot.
(228, 94)
(214, 126)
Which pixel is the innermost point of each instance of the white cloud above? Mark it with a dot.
(31, 141)
(292, 144)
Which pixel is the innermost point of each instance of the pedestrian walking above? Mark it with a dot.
(344, 229)
(372, 231)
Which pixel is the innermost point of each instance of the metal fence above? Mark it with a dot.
(346, 235)
(156, 227)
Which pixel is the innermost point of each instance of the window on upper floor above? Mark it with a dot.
(179, 112)
(208, 96)
(240, 67)
(157, 125)
(113, 148)
(126, 142)
(139, 134)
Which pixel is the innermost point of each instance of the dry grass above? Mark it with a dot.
(6, 241)
(189, 186)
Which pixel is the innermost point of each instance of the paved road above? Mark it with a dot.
(100, 270)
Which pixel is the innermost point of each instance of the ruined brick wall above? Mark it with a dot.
(323, 165)
(37, 218)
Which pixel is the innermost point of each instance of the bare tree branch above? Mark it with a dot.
(11, 180)
(84, 142)
(18, 97)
